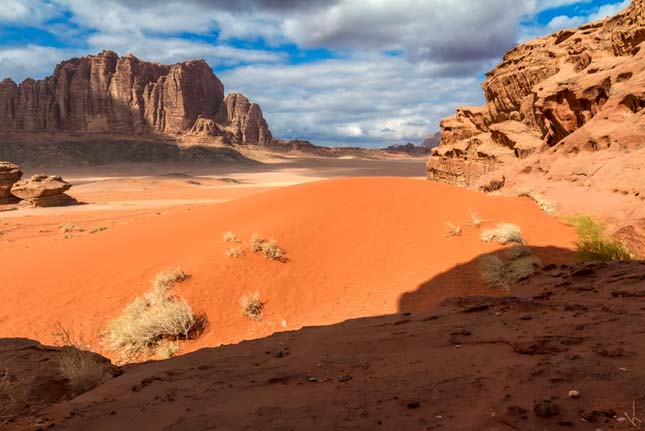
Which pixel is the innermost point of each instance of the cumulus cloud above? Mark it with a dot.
(369, 100)
(31, 61)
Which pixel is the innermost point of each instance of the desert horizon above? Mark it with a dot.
(327, 215)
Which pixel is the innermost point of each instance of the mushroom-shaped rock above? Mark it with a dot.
(43, 191)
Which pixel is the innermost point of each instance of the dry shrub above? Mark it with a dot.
(151, 318)
(98, 229)
(230, 237)
(251, 306)
(517, 251)
(544, 204)
(503, 233)
(452, 230)
(82, 368)
(235, 251)
(269, 248)
(256, 243)
(13, 396)
(475, 219)
(69, 227)
(495, 272)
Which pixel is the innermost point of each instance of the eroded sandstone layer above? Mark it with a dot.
(564, 104)
(105, 93)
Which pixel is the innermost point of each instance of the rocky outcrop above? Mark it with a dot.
(38, 191)
(432, 140)
(105, 93)
(9, 175)
(575, 92)
(244, 120)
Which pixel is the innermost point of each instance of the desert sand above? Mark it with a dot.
(355, 247)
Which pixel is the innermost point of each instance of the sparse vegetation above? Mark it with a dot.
(251, 306)
(235, 251)
(168, 350)
(269, 248)
(595, 244)
(544, 204)
(517, 251)
(98, 229)
(453, 230)
(498, 273)
(475, 219)
(503, 233)
(230, 237)
(69, 227)
(256, 243)
(78, 364)
(155, 316)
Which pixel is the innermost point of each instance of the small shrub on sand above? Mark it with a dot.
(517, 251)
(503, 233)
(544, 205)
(496, 272)
(271, 250)
(98, 229)
(475, 219)
(151, 318)
(595, 244)
(256, 243)
(69, 227)
(452, 230)
(230, 237)
(251, 306)
(79, 366)
(235, 251)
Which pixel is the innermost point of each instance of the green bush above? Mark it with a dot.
(594, 244)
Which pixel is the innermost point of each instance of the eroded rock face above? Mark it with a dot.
(105, 93)
(244, 121)
(576, 91)
(43, 191)
(9, 175)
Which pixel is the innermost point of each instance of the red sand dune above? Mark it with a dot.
(354, 248)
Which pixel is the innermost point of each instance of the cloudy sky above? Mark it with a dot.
(336, 72)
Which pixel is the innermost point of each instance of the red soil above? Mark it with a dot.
(354, 248)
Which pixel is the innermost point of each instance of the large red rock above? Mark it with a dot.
(577, 91)
(105, 93)
(9, 175)
(43, 191)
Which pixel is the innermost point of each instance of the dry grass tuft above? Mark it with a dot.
(151, 318)
(453, 230)
(517, 251)
(98, 229)
(475, 219)
(230, 237)
(269, 248)
(256, 243)
(13, 396)
(79, 366)
(272, 251)
(503, 233)
(235, 251)
(69, 227)
(168, 350)
(251, 306)
(497, 273)
(544, 204)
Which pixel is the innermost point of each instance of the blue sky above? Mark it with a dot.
(336, 72)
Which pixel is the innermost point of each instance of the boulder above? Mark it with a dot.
(9, 175)
(43, 191)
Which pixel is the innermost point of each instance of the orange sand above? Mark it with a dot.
(354, 247)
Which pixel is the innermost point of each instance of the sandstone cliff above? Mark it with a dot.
(578, 91)
(105, 93)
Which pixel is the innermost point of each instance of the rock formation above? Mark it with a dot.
(43, 191)
(576, 92)
(9, 175)
(105, 93)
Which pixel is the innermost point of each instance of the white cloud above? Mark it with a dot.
(562, 22)
(368, 99)
(27, 11)
(32, 61)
